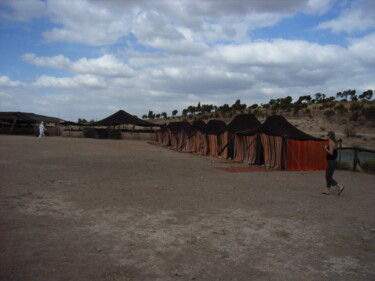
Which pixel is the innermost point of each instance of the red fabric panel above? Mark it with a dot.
(306, 155)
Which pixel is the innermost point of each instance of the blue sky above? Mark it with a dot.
(88, 59)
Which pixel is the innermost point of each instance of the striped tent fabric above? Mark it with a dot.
(273, 151)
(173, 140)
(224, 148)
(177, 134)
(213, 145)
(283, 146)
(239, 148)
(246, 149)
(239, 123)
(192, 141)
(159, 137)
(305, 155)
(212, 131)
(165, 137)
(202, 144)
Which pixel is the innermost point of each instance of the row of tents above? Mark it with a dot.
(276, 143)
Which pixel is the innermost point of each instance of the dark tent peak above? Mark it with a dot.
(178, 126)
(198, 125)
(277, 125)
(214, 127)
(242, 122)
(195, 126)
(121, 117)
(27, 117)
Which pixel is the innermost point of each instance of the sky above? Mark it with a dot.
(89, 58)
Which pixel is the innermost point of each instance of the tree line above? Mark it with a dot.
(285, 104)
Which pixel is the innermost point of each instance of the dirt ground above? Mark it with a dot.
(85, 209)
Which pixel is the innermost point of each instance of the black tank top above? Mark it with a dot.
(333, 156)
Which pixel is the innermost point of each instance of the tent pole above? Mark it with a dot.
(14, 123)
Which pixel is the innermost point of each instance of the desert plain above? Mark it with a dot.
(88, 209)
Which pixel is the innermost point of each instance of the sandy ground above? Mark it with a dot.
(84, 209)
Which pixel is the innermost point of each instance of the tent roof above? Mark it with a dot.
(214, 127)
(121, 117)
(243, 122)
(278, 126)
(27, 117)
(178, 126)
(195, 126)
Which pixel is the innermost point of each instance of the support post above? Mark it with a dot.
(355, 161)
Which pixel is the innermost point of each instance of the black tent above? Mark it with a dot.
(278, 126)
(230, 147)
(123, 118)
(23, 121)
(29, 118)
(284, 146)
(210, 137)
(177, 133)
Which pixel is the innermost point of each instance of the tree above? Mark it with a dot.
(81, 121)
(237, 106)
(174, 112)
(306, 98)
(207, 108)
(286, 102)
(151, 115)
(320, 98)
(351, 94)
(367, 95)
(164, 115)
(224, 108)
(144, 116)
(198, 108)
(191, 109)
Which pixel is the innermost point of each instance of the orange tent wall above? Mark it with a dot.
(306, 155)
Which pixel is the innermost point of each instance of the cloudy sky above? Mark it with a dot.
(89, 58)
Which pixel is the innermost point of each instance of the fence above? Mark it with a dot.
(356, 158)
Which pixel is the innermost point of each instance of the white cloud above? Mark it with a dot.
(58, 62)
(6, 82)
(364, 49)
(76, 82)
(22, 10)
(87, 23)
(106, 65)
(318, 6)
(280, 53)
(157, 23)
(359, 17)
(184, 52)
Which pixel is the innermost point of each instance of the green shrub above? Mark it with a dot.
(114, 134)
(344, 165)
(329, 113)
(356, 106)
(88, 132)
(340, 108)
(368, 166)
(350, 132)
(354, 117)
